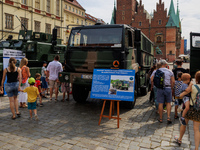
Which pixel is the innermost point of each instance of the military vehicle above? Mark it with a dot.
(106, 47)
(120, 84)
(37, 46)
(194, 53)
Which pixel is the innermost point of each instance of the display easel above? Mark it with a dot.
(111, 112)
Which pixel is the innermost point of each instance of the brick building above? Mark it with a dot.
(164, 29)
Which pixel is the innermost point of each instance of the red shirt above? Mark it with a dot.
(37, 84)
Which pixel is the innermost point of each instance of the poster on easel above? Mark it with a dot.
(7, 54)
(113, 84)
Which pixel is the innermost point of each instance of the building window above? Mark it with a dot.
(73, 9)
(24, 2)
(79, 12)
(72, 19)
(9, 21)
(37, 26)
(159, 39)
(123, 17)
(140, 23)
(123, 12)
(67, 17)
(170, 52)
(82, 13)
(37, 4)
(159, 21)
(81, 22)
(57, 7)
(70, 8)
(77, 21)
(58, 31)
(48, 6)
(65, 6)
(48, 28)
(24, 21)
(86, 23)
(76, 11)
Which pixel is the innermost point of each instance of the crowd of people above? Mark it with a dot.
(166, 87)
(176, 86)
(19, 82)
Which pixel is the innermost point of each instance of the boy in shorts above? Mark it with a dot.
(186, 99)
(32, 93)
(177, 91)
(38, 85)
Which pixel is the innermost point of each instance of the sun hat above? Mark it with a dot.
(31, 80)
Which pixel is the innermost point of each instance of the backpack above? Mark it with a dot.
(158, 79)
(196, 105)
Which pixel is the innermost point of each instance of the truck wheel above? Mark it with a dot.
(143, 90)
(130, 105)
(80, 93)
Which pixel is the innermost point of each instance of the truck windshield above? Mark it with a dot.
(196, 41)
(96, 37)
(6, 44)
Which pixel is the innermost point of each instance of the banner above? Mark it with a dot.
(7, 54)
(113, 84)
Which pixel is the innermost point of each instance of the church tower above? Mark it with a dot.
(125, 11)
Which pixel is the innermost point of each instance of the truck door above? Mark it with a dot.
(129, 49)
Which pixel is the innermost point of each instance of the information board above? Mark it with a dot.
(113, 84)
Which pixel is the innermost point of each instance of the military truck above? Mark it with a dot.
(106, 47)
(194, 53)
(120, 84)
(37, 47)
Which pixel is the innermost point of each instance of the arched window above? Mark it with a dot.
(159, 39)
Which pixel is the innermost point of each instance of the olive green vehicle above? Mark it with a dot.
(37, 47)
(120, 84)
(106, 47)
(194, 53)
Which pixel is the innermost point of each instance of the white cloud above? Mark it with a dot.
(189, 12)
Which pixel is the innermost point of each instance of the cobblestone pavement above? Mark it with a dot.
(69, 125)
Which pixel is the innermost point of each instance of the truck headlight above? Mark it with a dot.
(66, 77)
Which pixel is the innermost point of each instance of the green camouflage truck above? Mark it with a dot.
(105, 47)
(37, 47)
(194, 53)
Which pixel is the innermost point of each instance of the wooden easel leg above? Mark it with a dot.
(113, 109)
(118, 114)
(102, 112)
(110, 114)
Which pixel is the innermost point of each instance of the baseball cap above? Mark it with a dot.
(31, 80)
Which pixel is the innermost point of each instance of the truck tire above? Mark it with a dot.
(131, 105)
(80, 93)
(143, 90)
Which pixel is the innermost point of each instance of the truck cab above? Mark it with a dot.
(105, 47)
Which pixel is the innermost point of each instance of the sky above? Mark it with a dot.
(189, 12)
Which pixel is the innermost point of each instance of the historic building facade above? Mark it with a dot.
(41, 16)
(164, 29)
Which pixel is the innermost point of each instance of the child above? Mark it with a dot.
(186, 80)
(43, 79)
(177, 89)
(38, 85)
(64, 87)
(32, 93)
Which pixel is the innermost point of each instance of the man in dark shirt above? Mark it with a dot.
(179, 68)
